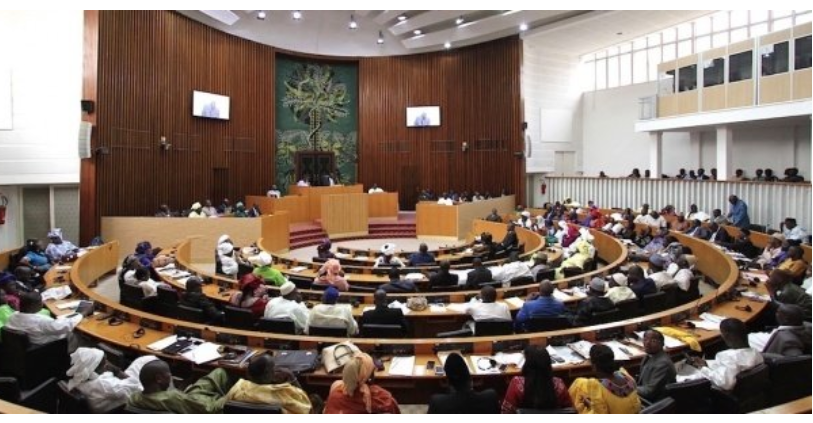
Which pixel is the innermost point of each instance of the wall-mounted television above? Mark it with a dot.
(423, 116)
(208, 105)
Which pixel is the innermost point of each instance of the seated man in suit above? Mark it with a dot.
(268, 385)
(331, 314)
(595, 302)
(398, 285)
(422, 257)
(383, 314)
(477, 275)
(511, 240)
(698, 231)
(657, 369)
(462, 398)
(207, 395)
(718, 234)
(790, 339)
(443, 277)
(782, 291)
(540, 305)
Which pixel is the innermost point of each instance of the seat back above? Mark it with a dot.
(167, 301)
(572, 271)
(237, 407)
(566, 410)
(542, 324)
(654, 303)
(493, 327)
(602, 317)
(70, 402)
(753, 388)
(522, 280)
(664, 406)
(692, 397)
(286, 326)
(548, 274)
(189, 314)
(31, 364)
(131, 295)
(332, 331)
(382, 331)
(629, 308)
(790, 378)
(240, 318)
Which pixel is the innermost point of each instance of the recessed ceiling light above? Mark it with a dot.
(447, 45)
(297, 15)
(417, 32)
(459, 21)
(402, 18)
(261, 15)
(380, 38)
(619, 33)
(523, 27)
(352, 24)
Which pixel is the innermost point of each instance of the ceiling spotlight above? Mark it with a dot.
(380, 38)
(417, 32)
(447, 45)
(402, 18)
(261, 15)
(459, 21)
(353, 24)
(297, 15)
(523, 27)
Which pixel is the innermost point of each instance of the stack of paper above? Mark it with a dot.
(515, 302)
(517, 359)
(561, 356)
(457, 308)
(402, 366)
(202, 353)
(297, 269)
(57, 293)
(756, 297)
(623, 352)
(561, 296)
(437, 308)
(68, 305)
(163, 343)
(414, 277)
(581, 347)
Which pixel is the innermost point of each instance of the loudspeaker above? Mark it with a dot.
(524, 125)
(85, 129)
(88, 106)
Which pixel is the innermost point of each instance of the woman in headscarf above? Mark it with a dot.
(570, 236)
(196, 211)
(144, 252)
(388, 257)
(612, 391)
(240, 210)
(35, 256)
(228, 264)
(59, 248)
(584, 250)
(253, 295)
(323, 250)
(105, 386)
(355, 395)
(331, 273)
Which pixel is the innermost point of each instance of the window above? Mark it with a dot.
(759, 30)
(758, 16)
(601, 74)
(666, 83)
(781, 24)
(774, 59)
(802, 57)
(720, 21)
(654, 58)
(669, 52)
(740, 66)
(684, 48)
(687, 78)
(612, 72)
(713, 72)
(702, 44)
(720, 40)
(739, 18)
(738, 35)
(639, 67)
(625, 63)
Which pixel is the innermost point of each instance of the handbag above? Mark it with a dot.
(297, 361)
(336, 356)
(417, 303)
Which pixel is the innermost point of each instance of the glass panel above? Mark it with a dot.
(654, 56)
(685, 31)
(781, 24)
(758, 30)
(758, 16)
(684, 48)
(774, 58)
(740, 66)
(666, 83)
(588, 58)
(654, 40)
(601, 74)
(612, 72)
(625, 48)
(720, 21)
(668, 35)
(625, 63)
(720, 40)
(781, 13)
(601, 54)
(702, 43)
(639, 70)
(669, 52)
(800, 19)
(588, 76)
(612, 51)
(739, 18)
(738, 35)
(702, 26)
(802, 58)
(713, 72)
(639, 43)
(687, 78)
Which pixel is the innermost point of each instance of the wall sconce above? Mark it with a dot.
(465, 146)
(164, 144)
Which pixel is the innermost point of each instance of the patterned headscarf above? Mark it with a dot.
(355, 376)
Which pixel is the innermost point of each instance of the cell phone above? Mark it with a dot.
(430, 365)
(503, 367)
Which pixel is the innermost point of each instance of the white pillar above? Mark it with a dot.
(655, 153)
(694, 151)
(724, 150)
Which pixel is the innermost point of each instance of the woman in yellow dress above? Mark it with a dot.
(610, 392)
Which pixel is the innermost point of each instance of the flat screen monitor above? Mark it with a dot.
(423, 116)
(208, 105)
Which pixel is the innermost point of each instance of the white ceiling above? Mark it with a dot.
(327, 33)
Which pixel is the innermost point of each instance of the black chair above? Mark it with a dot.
(548, 274)
(751, 393)
(444, 288)
(664, 406)
(189, 314)
(237, 407)
(240, 318)
(566, 410)
(32, 364)
(602, 317)
(493, 327)
(70, 402)
(383, 331)
(790, 378)
(332, 331)
(167, 301)
(572, 271)
(286, 326)
(521, 281)
(654, 303)
(131, 295)
(113, 355)
(691, 397)
(671, 293)
(629, 308)
(41, 397)
(692, 294)
(365, 289)
(543, 324)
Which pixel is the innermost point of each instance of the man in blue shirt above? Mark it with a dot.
(422, 257)
(540, 305)
(738, 213)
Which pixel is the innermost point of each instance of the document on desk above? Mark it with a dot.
(561, 296)
(515, 302)
(457, 308)
(68, 305)
(402, 366)
(434, 308)
(203, 353)
(622, 352)
(57, 293)
(516, 359)
(668, 341)
(163, 343)
(755, 274)
(561, 356)
(298, 269)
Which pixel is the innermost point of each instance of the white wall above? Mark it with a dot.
(43, 51)
(11, 233)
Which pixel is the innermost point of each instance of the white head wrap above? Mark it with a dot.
(83, 365)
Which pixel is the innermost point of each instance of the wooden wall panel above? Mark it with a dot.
(436, 221)
(383, 204)
(345, 215)
(478, 91)
(468, 212)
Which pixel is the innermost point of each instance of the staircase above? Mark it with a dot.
(306, 234)
(396, 229)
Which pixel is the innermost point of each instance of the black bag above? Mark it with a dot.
(297, 361)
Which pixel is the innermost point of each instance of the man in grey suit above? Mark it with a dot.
(792, 337)
(657, 369)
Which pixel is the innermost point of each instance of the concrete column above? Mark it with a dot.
(694, 151)
(724, 151)
(655, 154)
